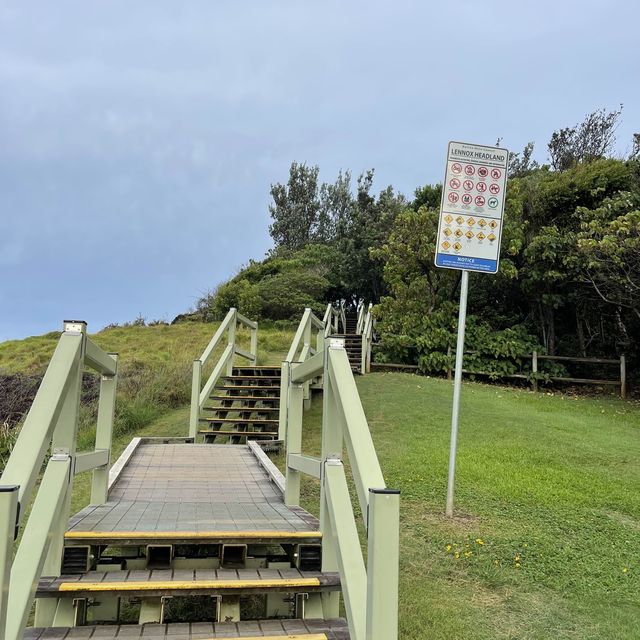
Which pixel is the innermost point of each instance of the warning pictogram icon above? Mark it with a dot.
(469, 169)
(468, 185)
(448, 219)
(480, 201)
(491, 237)
(456, 167)
(459, 219)
(453, 198)
(496, 174)
(458, 233)
(466, 198)
(483, 172)
(469, 234)
(493, 224)
(457, 246)
(454, 183)
(482, 222)
(480, 236)
(447, 231)
(494, 188)
(445, 245)
(470, 221)
(481, 187)
(493, 202)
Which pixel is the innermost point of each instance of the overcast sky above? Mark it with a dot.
(138, 139)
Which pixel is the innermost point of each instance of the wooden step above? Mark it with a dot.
(247, 398)
(235, 377)
(288, 629)
(242, 409)
(264, 421)
(251, 387)
(150, 583)
(250, 434)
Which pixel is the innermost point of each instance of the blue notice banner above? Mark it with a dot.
(449, 261)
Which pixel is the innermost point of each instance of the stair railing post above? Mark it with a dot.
(332, 441)
(534, 370)
(383, 564)
(232, 341)
(623, 377)
(63, 444)
(306, 348)
(104, 433)
(254, 345)
(196, 383)
(294, 441)
(283, 414)
(8, 519)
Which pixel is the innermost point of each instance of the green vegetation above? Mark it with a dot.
(544, 542)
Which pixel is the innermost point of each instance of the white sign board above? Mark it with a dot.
(472, 207)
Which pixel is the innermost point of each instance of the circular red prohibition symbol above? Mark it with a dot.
(480, 201)
(481, 187)
(456, 167)
(453, 197)
(496, 173)
(468, 185)
(454, 183)
(466, 198)
(494, 188)
(469, 169)
(483, 172)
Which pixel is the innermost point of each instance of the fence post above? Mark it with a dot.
(8, 518)
(534, 369)
(449, 364)
(294, 442)
(232, 341)
(383, 564)
(307, 384)
(196, 383)
(104, 433)
(254, 345)
(623, 377)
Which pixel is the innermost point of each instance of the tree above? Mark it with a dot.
(590, 140)
(520, 164)
(295, 209)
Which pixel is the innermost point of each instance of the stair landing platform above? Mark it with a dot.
(192, 493)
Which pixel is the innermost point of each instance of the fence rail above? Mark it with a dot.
(200, 394)
(370, 591)
(51, 424)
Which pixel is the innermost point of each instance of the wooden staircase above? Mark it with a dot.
(352, 341)
(245, 406)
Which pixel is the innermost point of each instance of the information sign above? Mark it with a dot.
(472, 198)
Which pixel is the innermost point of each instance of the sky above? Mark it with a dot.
(139, 140)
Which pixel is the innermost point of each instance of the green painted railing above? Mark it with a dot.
(200, 394)
(370, 592)
(51, 425)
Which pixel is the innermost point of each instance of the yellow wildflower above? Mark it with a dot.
(449, 547)
(479, 541)
(625, 569)
(467, 554)
(457, 554)
(517, 565)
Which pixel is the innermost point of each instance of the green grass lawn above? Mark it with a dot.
(545, 541)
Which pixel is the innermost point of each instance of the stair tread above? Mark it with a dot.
(242, 409)
(290, 629)
(240, 420)
(191, 581)
(252, 434)
(254, 387)
(239, 377)
(227, 397)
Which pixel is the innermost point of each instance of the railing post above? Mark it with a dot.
(623, 377)
(383, 564)
(332, 438)
(63, 444)
(232, 341)
(283, 414)
(8, 518)
(307, 346)
(254, 345)
(104, 433)
(196, 383)
(294, 442)
(534, 370)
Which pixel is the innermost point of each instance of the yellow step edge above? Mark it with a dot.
(304, 636)
(196, 535)
(164, 585)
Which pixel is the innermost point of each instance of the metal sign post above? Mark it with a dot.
(469, 233)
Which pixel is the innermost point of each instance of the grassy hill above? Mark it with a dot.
(545, 539)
